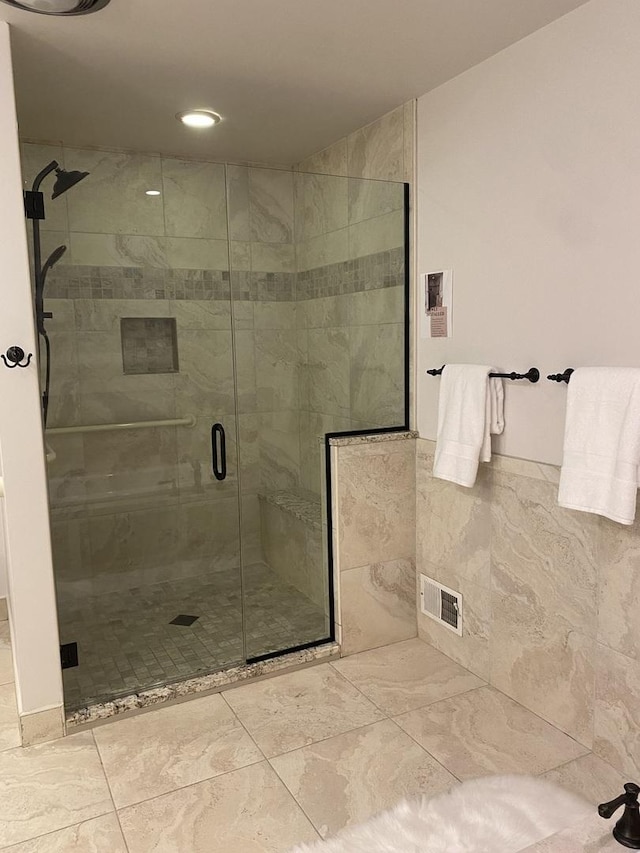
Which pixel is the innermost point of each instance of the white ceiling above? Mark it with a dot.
(288, 76)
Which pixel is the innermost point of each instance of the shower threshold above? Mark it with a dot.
(211, 683)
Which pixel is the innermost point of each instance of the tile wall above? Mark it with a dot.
(551, 598)
(374, 540)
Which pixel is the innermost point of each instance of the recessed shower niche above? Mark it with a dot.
(149, 345)
(203, 343)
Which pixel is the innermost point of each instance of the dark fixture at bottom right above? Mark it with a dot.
(627, 829)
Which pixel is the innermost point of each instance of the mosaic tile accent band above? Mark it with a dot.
(371, 272)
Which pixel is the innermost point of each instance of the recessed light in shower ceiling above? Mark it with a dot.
(199, 118)
(152, 192)
(59, 7)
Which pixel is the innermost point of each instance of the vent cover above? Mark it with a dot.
(441, 604)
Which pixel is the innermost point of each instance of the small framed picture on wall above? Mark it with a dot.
(436, 308)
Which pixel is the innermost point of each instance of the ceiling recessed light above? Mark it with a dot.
(152, 192)
(199, 118)
(58, 7)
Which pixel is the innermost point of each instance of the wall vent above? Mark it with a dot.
(441, 604)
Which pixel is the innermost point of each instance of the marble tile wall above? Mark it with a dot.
(374, 541)
(550, 598)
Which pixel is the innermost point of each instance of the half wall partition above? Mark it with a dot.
(204, 341)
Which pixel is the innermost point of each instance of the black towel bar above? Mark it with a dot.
(561, 377)
(533, 374)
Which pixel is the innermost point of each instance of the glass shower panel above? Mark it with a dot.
(146, 539)
(318, 289)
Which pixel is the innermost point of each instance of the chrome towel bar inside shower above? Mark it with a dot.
(532, 375)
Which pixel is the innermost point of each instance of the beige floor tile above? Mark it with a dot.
(168, 748)
(246, 811)
(406, 676)
(50, 786)
(101, 835)
(483, 732)
(300, 708)
(349, 778)
(589, 776)
(9, 725)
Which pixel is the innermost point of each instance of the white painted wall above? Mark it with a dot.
(529, 188)
(29, 568)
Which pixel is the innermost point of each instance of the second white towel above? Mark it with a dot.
(471, 408)
(602, 442)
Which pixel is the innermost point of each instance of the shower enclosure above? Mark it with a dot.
(204, 340)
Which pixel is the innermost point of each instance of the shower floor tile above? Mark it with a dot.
(127, 642)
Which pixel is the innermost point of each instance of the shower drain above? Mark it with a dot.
(183, 619)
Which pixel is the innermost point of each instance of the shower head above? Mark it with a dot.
(53, 258)
(65, 180)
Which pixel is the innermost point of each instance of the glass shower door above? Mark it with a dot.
(146, 539)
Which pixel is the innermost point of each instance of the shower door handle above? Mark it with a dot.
(218, 457)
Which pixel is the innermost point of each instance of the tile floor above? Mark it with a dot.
(262, 767)
(126, 642)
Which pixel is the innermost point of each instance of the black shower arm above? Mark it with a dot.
(39, 178)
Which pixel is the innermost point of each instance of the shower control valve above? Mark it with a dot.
(14, 357)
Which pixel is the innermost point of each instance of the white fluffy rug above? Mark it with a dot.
(499, 814)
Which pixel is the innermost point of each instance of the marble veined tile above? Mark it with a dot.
(321, 204)
(377, 373)
(271, 205)
(377, 150)
(590, 777)
(117, 250)
(328, 371)
(300, 708)
(50, 786)
(376, 235)
(9, 727)
(329, 161)
(617, 710)
(276, 353)
(378, 605)
(169, 748)
(246, 811)
(376, 495)
(348, 778)
(272, 257)
(205, 382)
(543, 600)
(112, 200)
(483, 732)
(195, 199)
(619, 587)
(100, 835)
(238, 204)
(453, 524)
(406, 675)
(368, 199)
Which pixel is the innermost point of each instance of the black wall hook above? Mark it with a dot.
(14, 357)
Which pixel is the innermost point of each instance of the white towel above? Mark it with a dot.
(602, 442)
(471, 407)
